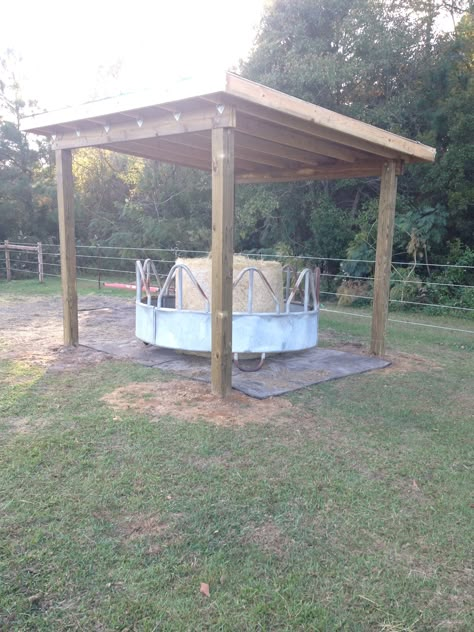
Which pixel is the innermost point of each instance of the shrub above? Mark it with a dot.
(348, 293)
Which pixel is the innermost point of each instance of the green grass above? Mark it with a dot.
(52, 287)
(352, 511)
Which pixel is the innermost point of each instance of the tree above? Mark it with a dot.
(449, 102)
(27, 194)
(385, 62)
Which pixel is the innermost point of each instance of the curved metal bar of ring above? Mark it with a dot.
(257, 367)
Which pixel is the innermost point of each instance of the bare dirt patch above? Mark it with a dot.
(32, 330)
(25, 425)
(71, 358)
(146, 528)
(400, 362)
(205, 463)
(410, 362)
(139, 526)
(192, 401)
(269, 538)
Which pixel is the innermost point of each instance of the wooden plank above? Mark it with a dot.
(141, 152)
(243, 152)
(200, 154)
(222, 259)
(8, 266)
(164, 94)
(40, 263)
(177, 153)
(19, 247)
(383, 257)
(67, 246)
(163, 125)
(332, 121)
(275, 133)
(355, 148)
(309, 159)
(329, 172)
(160, 149)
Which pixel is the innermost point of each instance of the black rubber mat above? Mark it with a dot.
(109, 327)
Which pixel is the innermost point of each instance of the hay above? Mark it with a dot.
(262, 300)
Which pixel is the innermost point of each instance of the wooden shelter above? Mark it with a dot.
(242, 132)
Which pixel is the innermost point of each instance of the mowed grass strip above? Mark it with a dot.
(350, 510)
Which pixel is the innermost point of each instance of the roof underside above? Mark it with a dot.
(277, 137)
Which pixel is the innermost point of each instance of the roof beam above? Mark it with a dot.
(183, 90)
(250, 152)
(164, 125)
(330, 172)
(260, 128)
(174, 145)
(325, 123)
(164, 151)
(140, 151)
(275, 149)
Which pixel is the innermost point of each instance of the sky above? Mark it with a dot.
(74, 52)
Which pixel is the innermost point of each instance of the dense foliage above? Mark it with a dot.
(386, 62)
(382, 62)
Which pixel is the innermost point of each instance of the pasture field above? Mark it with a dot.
(344, 506)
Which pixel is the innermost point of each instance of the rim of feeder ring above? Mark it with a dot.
(248, 369)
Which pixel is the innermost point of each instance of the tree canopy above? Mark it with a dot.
(386, 62)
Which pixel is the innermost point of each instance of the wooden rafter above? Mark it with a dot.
(326, 172)
(338, 127)
(141, 129)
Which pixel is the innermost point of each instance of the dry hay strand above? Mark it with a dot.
(262, 299)
(193, 401)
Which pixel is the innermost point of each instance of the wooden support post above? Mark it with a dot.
(222, 258)
(67, 245)
(383, 257)
(40, 262)
(8, 266)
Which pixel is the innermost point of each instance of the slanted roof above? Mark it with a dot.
(277, 137)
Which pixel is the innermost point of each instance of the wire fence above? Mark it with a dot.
(416, 288)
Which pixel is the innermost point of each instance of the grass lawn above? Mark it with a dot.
(350, 510)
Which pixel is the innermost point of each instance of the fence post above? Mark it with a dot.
(7, 261)
(40, 263)
(98, 266)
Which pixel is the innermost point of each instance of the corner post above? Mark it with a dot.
(383, 257)
(67, 245)
(40, 263)
(223, 189)
(8, 266)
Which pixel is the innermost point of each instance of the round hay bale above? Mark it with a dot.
(262, 299)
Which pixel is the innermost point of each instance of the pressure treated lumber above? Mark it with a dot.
(222, 259)
(325, 172)
(243, 132)
(383, 257)
(67, 246)
(82, 135)
(8, 266)
(336, 123)
(40, 263)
